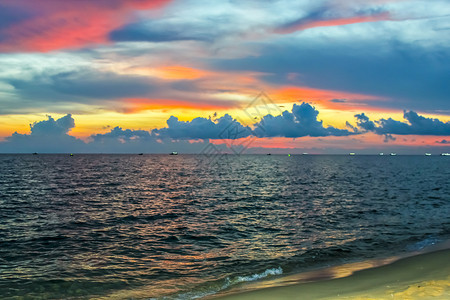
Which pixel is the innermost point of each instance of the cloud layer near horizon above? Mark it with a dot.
(416, 124)
(52, 136)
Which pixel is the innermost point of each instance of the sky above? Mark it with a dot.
(281, 76)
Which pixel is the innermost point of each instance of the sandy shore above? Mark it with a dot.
(424, 276)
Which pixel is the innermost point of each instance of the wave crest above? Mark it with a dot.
(268, 272)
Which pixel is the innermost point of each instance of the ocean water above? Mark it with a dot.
(180, 227)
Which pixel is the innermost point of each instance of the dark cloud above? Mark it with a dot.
(302, 121)
(138, 32)
(119, 140)
(315, 15)
(101, 85)
(52, 136)
(82, 84)
(443, 142)
(350, 126)
(51, 127)
(49, 136)
(117, 133)
(416, 77)
(327, 13)
(339, 100)
(364, 122)
(389, 137)
(415, 125)
(179, 28)
(202, 128)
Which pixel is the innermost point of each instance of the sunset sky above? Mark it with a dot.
(156, 76)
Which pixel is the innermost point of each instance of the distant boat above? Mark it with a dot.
(351, 153)
(141, 154)
(428, 154)
(381, 153)
(35, 153)
(305, 153)
(445, 154)
(174, 153)
(269, 154)
(393, 154)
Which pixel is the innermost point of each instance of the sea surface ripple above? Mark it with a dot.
(143, 226)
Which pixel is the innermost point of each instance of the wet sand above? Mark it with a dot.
(423, 276)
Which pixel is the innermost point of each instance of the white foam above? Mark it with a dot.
(228, 282)
(268, 272)
(421, 245)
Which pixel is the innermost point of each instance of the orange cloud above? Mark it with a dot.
(294, 93)
(55, 24)
(333, 22)
(172, 72)
(180, 72)
(142, 104)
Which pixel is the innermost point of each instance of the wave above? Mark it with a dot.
(423, 244)
(266, 273)
(223, 285)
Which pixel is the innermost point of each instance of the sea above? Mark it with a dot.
(97, 226)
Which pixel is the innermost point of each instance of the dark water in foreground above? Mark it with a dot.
(154, 225)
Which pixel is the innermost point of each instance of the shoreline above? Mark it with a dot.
(424, 275)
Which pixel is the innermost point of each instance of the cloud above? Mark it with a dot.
(83, 83)
(127, 135)
(120, 140)
(49, 136)
(408, 65)
(409, 69)
(302, 121)
(325, 17)
(150, 33)
(415, 125)
(443, 142)
(203, 128)
(31, 83)
(101, 85)
(53, 135)
(48, 25)
(338, 100)
(51, 127)
(189, 21)
(389, 137)
(364, 122)
(141, 104)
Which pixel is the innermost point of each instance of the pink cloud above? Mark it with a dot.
(333, 22)
(55, 24)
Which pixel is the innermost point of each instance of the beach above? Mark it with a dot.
(422, 276)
